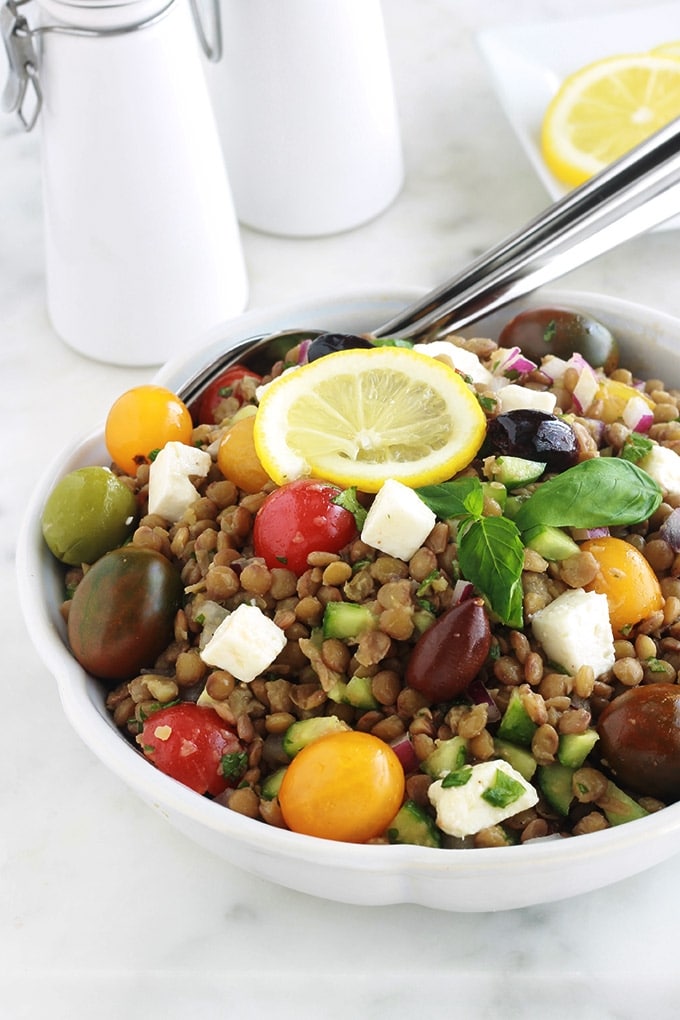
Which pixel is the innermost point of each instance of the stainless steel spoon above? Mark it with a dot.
(633, 195)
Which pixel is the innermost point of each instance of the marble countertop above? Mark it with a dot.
(104, 909)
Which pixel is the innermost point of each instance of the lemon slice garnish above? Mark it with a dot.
(605, 109)
(358, 417)
(669, 49)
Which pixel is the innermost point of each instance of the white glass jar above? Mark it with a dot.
(307, 115)
(143, 253)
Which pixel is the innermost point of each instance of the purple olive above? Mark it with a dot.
(449, 654)
(330, 343)
(542, 331)
(534, 435)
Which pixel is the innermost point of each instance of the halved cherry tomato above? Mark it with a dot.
(300, 518)
(346, 786)
(194, 746)
(225, 385)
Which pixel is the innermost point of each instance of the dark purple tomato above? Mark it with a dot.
(122, 613)
(640, 740)
(330, 343)
(449, 654)
(542, 331)
(534, 435)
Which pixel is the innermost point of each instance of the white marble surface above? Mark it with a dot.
(107, 912)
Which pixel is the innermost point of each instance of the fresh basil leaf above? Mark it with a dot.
(596, 493)
(491, 557)
(458, 498)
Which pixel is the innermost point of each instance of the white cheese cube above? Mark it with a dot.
(170, 491)
(663, 464)
(575, 631)
(245, 643)
(515, 398)
(463, 361)
(398, 522)
(464, 811)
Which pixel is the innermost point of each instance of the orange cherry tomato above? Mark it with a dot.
(626, 578)
(346, 786)
(237, 458)
(142, 420)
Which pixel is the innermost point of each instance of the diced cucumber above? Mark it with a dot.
(272, 784)
(574, 748)
(516, 726)
(448, 755)
(338, 692)
(514, 472)
(520, 759)
(496, 491)
(555, 783)
(346, 620)
(619, 807)
(412, 825)
(304, 731)
(551, 543)
(359, 692)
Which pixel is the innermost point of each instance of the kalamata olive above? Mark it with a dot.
(122, 613)
(542, 331)
(640, 740)
(89, 511)
(329, 343)
(534, 435)
(449, 654)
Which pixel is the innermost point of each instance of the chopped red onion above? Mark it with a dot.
(637, 415)
(302, 351)
(587, 385)
(478, 693)
(403, 748)
(582, 534)
(670, 530)
(512, 361)
(462, 590)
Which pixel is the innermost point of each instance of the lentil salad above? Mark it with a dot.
(211, 546)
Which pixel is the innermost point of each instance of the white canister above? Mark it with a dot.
(143, 253)
(307, 115)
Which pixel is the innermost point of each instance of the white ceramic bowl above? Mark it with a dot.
(461, 880)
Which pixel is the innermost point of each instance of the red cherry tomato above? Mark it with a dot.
(300, 518)
(194, 746)
(225, 385)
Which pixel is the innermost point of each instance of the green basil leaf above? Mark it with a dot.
(491, 557)
(597, 493)
(458, 498)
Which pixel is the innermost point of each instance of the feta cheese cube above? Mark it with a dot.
(245, 643)
(663, 464)
(463, 361)
(398, 522)
(514, 398)
(170, 491)
(575, 631)
(464, 810)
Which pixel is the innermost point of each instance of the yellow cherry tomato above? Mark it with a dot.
(626, 578)
(237, 458)
(142, 420)
(346, 786)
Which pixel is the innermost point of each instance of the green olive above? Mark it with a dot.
(88, 512)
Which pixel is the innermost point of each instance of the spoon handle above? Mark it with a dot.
(627, 198)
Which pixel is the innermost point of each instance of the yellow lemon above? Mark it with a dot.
(669, 49)
(607, 108)
(359, 417)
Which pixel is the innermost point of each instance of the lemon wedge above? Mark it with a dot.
(605, 109)
(359, 417)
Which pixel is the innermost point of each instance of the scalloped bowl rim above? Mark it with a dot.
(478, 880)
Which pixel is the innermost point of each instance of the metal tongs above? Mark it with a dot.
(636, 193)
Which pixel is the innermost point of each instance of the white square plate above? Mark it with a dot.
(529, 62)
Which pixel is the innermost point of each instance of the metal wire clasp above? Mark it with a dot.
(22, 93)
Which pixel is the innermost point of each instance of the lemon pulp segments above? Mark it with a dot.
(605, 109)
(359, 417)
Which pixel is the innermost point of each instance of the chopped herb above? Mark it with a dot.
(347, 499)
(151, 707)
(282, 559)
(505, 790)
(655, 665)
(148, 748)
(486, 403)
(225, 391)
(232, 766)
(154, 454)
(459, 777)
(391, 342)
(550, 332)
(636, 447)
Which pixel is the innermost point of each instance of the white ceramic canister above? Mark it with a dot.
(307, 115)
(143, 252)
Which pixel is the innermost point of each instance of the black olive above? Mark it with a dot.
(329, 343)
(534, 435)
